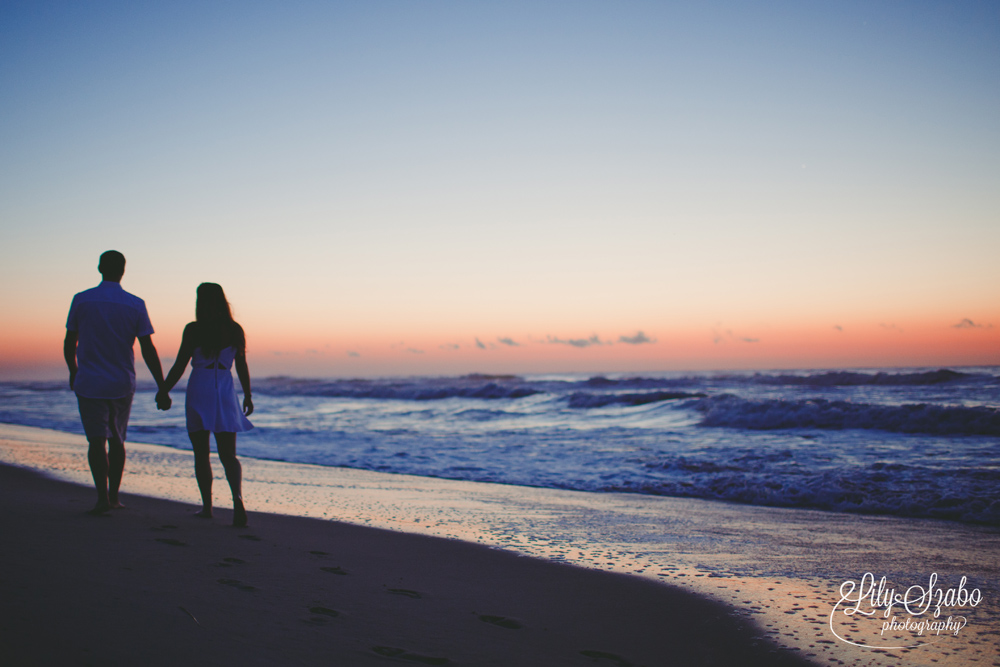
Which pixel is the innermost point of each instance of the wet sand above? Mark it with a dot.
(776, 571)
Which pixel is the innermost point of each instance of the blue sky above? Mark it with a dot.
(359, 175)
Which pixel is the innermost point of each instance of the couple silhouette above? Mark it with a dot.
(101, 329)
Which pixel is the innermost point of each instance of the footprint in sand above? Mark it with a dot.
(334, 570)
(404, 591)
(615, 660)
(501, 621)
(403, 654)
(252, 538)
(324, 611)
(230, 561)
(237, 584)
(171, 541)
(162, 528)
(319, 553)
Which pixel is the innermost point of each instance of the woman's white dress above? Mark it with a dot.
(211, 403)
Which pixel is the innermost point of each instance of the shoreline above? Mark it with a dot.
(780, 568)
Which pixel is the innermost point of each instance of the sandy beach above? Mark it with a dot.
(153, 585)
(383, 569)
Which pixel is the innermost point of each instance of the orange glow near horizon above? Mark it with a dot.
(37, 355)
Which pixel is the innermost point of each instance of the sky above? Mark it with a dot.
(421, 187)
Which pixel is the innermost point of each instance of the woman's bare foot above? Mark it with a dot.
(239, 515)
(117, 505)
(204, 513)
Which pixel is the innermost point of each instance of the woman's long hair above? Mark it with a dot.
(216, 328)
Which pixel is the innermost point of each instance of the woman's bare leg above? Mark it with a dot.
(202, 470)
(226, 444)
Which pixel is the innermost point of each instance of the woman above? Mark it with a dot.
(212, 343)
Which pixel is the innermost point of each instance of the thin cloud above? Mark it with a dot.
(728, 335)
(480, 344)
(449, 346)
(577, 342)
(639, 338)
(838, 328)
(351, 353)
(721, 336)
(413, 350)
(890, 327)
(509, 341)
(966, 323)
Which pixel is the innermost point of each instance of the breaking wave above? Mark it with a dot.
(764, 415)
(594, 400)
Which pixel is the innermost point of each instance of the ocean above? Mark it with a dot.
(907, 442)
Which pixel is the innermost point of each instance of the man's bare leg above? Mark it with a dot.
(226, 444)
(202, 470)
(98, 459)
(116, 469)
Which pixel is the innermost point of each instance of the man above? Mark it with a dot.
(101, 329)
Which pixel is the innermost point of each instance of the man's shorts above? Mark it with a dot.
(105, 418)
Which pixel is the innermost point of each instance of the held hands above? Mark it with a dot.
(163, 401)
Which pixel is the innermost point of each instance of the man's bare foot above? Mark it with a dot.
(204, 513)
(239, 516)
(100, 509)
(116, 505)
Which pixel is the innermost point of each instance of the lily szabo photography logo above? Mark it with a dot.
(873, 615)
